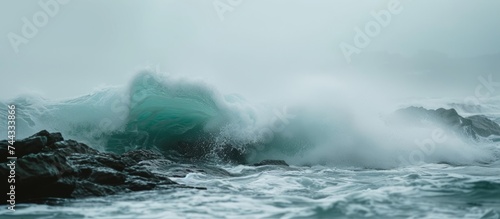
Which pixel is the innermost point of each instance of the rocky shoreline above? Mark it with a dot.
(470, 127)
(48, 166)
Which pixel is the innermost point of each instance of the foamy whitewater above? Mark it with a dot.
(345, 160)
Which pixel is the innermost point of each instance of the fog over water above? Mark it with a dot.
(263, 50)
(269, 108)
(340, 64)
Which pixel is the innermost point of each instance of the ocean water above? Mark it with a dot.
(345, 161)
(426, 191)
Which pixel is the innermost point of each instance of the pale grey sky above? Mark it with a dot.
(260, 44)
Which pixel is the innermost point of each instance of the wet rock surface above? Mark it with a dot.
(48, 166)
(271, 162)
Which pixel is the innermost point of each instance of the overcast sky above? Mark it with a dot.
(258, 46)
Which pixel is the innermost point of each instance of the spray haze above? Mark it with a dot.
(267, 77)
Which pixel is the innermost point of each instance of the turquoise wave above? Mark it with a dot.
(187, 119)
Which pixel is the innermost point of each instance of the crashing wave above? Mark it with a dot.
(188, 119)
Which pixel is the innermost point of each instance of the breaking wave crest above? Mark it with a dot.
(190, 119)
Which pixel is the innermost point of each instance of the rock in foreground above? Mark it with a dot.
(271, 162)
(49, 166)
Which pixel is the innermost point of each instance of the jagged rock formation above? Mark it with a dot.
(473, 126)
(49, 166)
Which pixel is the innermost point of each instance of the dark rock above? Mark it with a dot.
(30, 145)
(112, 161)
(41, 168)
(484, 126)
(156, 164)
(473, 126)
(127, 161)
(48, 166)
(140, 185)
(69, 147)
(271, 162)
(4, 151)
(51, 137)
(107, 176)
(141, 172)
(39, 175)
